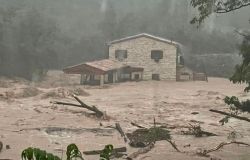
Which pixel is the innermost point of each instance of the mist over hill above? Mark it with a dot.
(36, 35)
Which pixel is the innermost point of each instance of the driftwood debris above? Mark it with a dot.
(205, 152)
(82, 105)
(173, 145)
(93, 108)
(197, 131)
(231, 115)
(136, 125)
(141, 151)
(170, 126)
(119, 129)
(143, 137)
(96, 152)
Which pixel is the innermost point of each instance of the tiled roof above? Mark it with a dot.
(99, 66)
(105, 64)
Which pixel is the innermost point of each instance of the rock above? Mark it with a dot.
(7, 146)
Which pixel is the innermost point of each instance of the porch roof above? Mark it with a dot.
(94, 67)
(129, 69)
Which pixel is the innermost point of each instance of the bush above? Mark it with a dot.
(71, 153)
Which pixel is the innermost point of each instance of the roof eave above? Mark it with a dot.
(143, 35)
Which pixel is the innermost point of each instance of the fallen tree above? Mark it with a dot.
(230, 115)
(82, 105)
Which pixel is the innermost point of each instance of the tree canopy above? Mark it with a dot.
(37, 35)
(242, 71)
(208, 7)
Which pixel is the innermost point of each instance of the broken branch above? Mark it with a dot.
(119, 129)
(141, 151)
(197, 131)
(82, 105)
(205, 152)
(93, 108)
(66, 104)
(229, 114)
(173, 145)
(136, 125)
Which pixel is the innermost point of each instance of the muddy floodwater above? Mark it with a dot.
(28, 118)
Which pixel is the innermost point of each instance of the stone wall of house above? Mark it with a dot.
(139, 55)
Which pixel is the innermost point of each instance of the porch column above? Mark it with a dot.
(82, 79)
(114, 77)
(101, 79)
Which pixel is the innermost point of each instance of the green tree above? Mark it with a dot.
(242, 71)
(207, 7)
(35, 42)
(27, 42)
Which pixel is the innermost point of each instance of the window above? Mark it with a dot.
(137, 76)
(121, 54)
(156, 55)
(156, 77)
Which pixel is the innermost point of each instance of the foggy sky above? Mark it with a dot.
(74, 31)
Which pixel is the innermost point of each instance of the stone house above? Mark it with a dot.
(138, 57)
(157, 56)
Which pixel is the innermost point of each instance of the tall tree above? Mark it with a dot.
(36, 38)
(27, 43)
(242, 71)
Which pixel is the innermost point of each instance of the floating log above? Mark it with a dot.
(97, 152)
(231, 115)
(66, 104)
(136, 125)
(119, 129)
